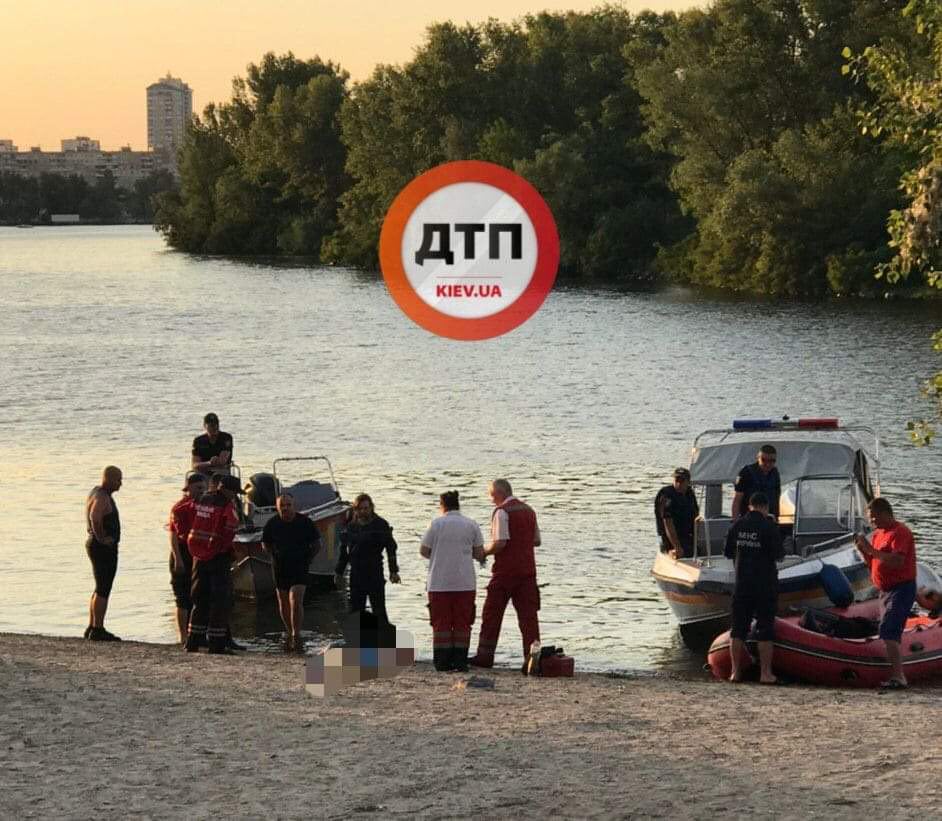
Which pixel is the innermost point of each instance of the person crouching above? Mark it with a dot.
(215, 521)
(451, 544)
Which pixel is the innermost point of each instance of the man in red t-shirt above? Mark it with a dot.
(892, 559)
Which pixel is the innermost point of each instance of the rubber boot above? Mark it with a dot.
(441, 657)
(459, 659)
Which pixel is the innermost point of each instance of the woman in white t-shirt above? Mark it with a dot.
(451, 544)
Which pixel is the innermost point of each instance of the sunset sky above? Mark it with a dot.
(82, 68)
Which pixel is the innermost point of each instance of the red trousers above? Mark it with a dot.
(525, 595)
(451, 614)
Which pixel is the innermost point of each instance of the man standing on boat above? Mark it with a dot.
(212, 451)
(755, 544)
(103, 526)
(451, 544)
(891, 556)
(181, 563)
(514, 534)
(675, 511)
(292, 540)
(760, 477)
(215, 521)
(362, 543)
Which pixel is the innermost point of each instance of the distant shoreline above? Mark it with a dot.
(67, 224)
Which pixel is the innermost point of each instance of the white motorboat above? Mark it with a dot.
(829, 473)
(317, 498)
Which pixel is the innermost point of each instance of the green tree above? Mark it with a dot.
(750, 99)
(907, 112)
(139, 202)
(262, 173)
(63, 194)
(550, 96)
(19, 199)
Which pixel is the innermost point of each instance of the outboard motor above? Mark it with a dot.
(262, 489)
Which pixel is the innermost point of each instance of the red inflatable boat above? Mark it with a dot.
(841, 662)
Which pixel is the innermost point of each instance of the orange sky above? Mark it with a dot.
(71, 68)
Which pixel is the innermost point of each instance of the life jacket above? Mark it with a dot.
(214, 524)
(517, 558)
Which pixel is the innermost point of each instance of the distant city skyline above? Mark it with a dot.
(82, 69)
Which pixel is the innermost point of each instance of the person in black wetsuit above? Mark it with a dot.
(760, 477)
(362, 543)
(212, 451)
(103, 526)
(754, 542)
(675, 511)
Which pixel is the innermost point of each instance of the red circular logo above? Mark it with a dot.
(469, 250)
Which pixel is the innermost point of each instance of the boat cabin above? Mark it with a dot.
(828, 476)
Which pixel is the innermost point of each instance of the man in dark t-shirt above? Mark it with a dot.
(675, 512)
(760, 477)
(212, 451)
(292, 539)
(755, 545)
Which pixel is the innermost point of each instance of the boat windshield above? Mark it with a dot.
(813, 512)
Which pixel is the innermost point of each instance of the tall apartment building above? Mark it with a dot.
(169, 109)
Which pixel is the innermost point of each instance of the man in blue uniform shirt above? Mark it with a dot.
(760, 477)
(755, 545)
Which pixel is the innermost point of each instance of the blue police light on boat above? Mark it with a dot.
(818, 423)
(752, 424)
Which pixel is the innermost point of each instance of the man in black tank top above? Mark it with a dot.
(103, 526)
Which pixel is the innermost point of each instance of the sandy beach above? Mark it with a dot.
(145, 730)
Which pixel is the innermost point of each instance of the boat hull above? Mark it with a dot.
(700, 601)
(251, 571)
(815, 658)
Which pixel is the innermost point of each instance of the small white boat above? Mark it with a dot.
(320, 501)
(828, 475)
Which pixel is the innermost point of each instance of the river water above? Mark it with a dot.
(112, 347)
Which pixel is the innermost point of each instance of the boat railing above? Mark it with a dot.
(232, 469)
(285, 459)
(710, 539)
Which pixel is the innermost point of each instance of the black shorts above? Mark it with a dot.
(104, 558)
(290, 571)
(181, 584)
(762, 606)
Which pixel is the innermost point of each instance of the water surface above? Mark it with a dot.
(112, 348)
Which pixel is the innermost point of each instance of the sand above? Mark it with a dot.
(130, 729)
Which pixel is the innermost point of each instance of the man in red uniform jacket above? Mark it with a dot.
(892, 560)
(181, 563)
(215, 521)
(514, 534)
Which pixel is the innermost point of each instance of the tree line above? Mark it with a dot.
(27, 200)
(720, 147)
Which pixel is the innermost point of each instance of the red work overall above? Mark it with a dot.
(513, 580)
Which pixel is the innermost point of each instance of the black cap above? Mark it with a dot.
(193, 478)
(682, 473)
(210, 419)
(231, 483)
